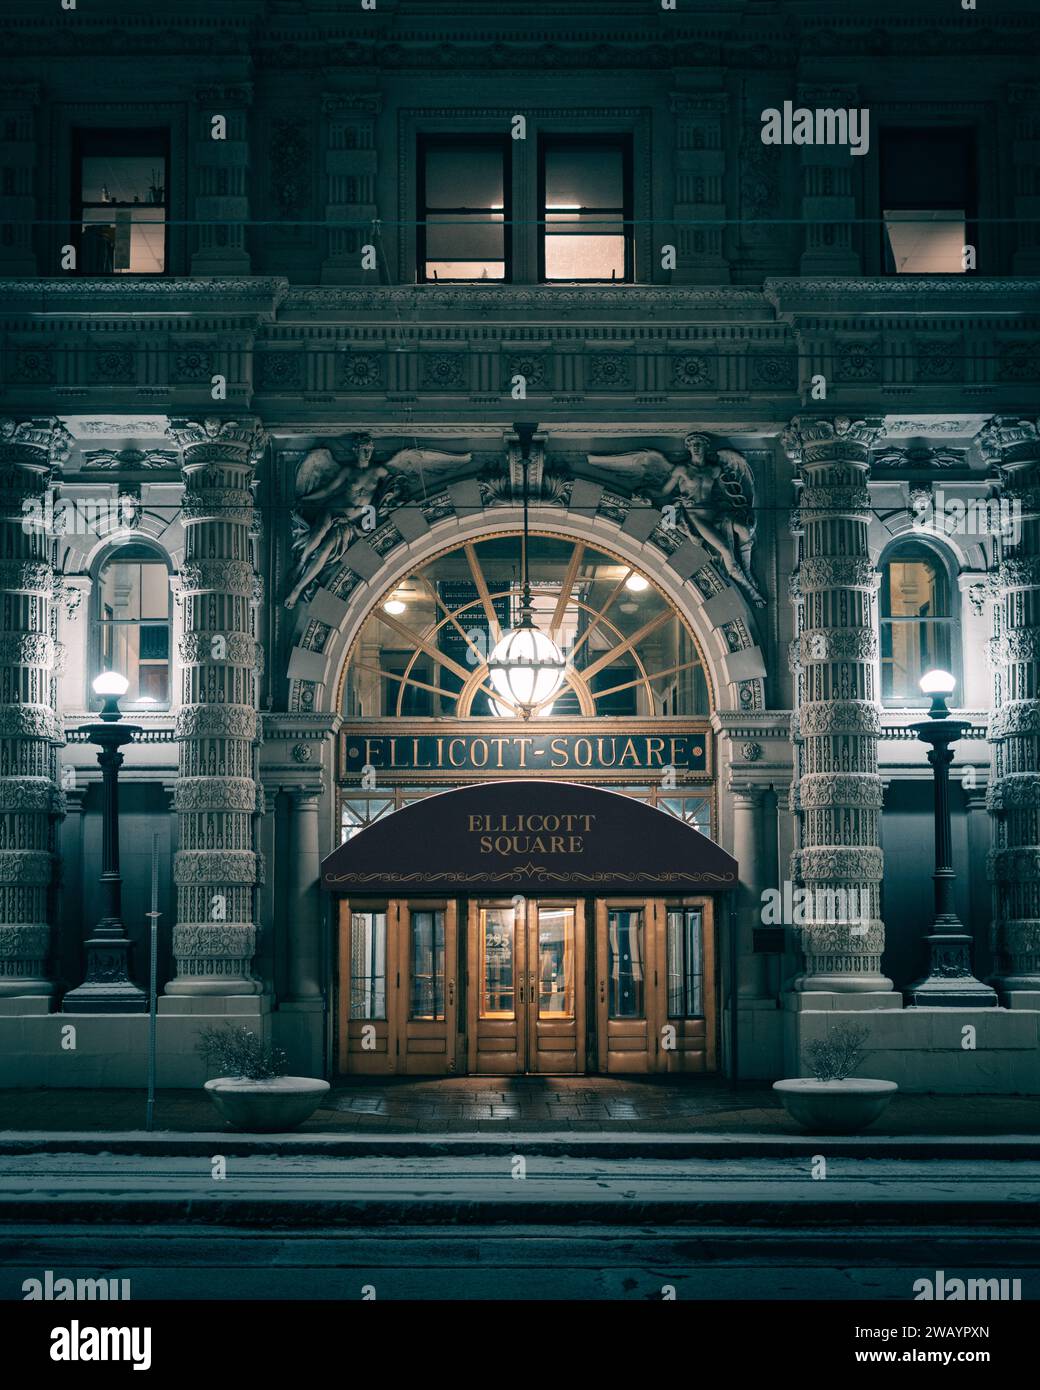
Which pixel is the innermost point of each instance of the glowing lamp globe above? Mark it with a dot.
(938, 684)
(526, 668)
(110, 685)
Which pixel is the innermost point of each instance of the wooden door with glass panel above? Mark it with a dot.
(397, 996)
(655, 977)
(427, 1019)
(626, 997)
(526, 986)
(366, 984)
(687, 1031)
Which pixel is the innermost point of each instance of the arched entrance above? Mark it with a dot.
(527, 926)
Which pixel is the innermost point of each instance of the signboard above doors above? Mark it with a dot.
(532, 834)
(421, 751)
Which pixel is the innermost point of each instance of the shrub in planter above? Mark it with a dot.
(832, 1100)
(249, 1085)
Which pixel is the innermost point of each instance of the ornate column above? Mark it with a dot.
(31, 452)
(747, 851)
(838, 722)
(216, 866)
(304, 905)
(1014, 792)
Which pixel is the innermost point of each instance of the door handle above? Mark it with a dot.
(451, 993)
(602, 991)
(521, 994)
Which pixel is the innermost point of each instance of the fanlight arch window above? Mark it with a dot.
(919, 626)
(131, 628)
(423, 651)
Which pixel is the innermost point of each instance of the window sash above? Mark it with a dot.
(561, 227)
(490, 223)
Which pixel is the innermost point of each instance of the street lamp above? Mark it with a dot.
(108, 987)
(949, 982)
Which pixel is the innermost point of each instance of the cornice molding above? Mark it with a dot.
(893, 294)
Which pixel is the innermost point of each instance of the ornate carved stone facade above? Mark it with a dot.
(1013, 445)
(31, 453)
(218, 724)
(837, 718)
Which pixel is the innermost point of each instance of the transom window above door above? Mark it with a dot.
(423, 651)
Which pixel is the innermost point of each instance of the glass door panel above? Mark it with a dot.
(366, 1005)
(497, 962)
(626, 946)
(555, 1001)
(555, 962)
(427, 965)
(368, 965)
(427, 1029)
(689, 1017)
(685, 963)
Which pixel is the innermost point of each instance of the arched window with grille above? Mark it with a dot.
(919, 625)
(131, 629)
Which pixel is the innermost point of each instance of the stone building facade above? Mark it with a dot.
(280, 318)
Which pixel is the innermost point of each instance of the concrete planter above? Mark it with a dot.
(266, 1107)
(834, 1107)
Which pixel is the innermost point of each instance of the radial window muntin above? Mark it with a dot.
(419, 646)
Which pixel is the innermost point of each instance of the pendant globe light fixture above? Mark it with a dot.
(526, 666)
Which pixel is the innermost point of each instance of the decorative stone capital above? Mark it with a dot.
(811, 436)
(1008, 440)
(39, 446)
(214, 440)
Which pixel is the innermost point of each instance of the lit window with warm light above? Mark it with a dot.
(463, 209)
(585, 212)
(120, 197)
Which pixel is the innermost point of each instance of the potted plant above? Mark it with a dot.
(832, 1100)
(250, 1088)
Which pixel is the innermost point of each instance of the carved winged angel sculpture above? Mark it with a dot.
(715, 495)
(333, 497)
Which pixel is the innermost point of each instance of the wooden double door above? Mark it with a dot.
(528, 981)
(544, 985)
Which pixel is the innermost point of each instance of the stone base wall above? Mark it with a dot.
(923, 1049)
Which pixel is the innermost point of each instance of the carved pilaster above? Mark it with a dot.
(222, 192)
(1014, 792)
(351, 164)
(1024, 104)
(31, 453)
(18, 159)
(700, 168)
(838, 722)
(216, 867)
(828, 192)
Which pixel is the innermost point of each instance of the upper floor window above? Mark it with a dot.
(119, 200)
(918, 628)
(133, 623)
(928, 197)
(463, 208)
(586, 208)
